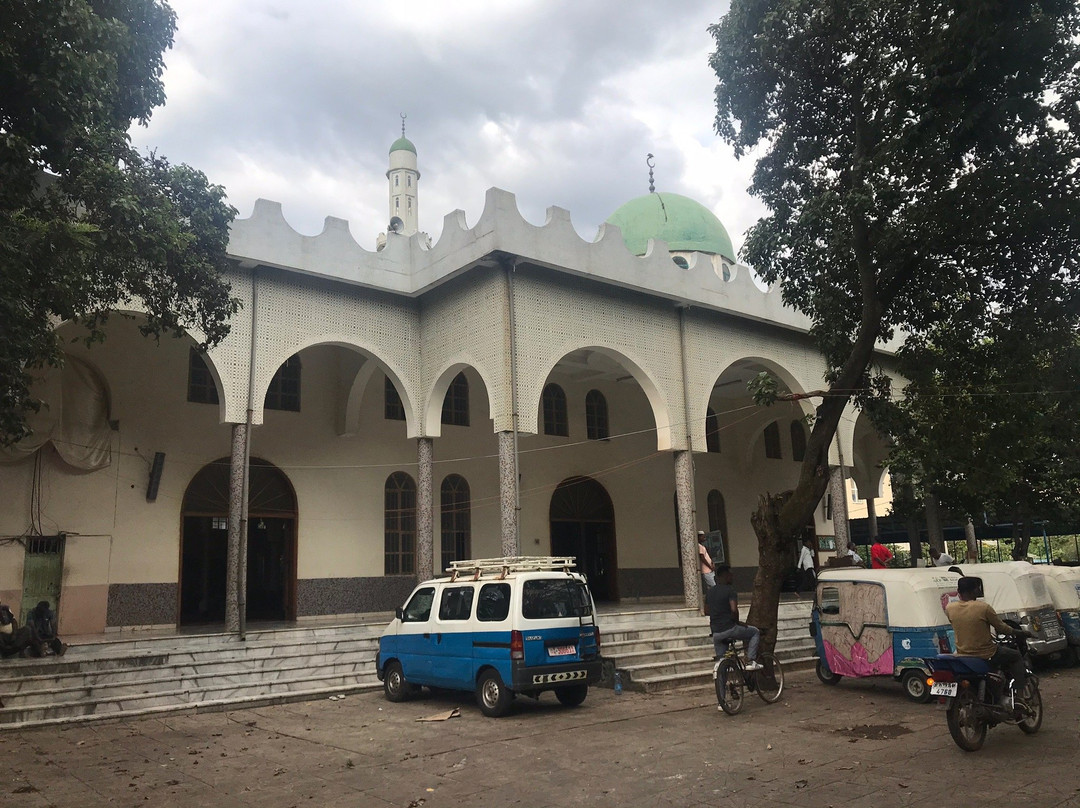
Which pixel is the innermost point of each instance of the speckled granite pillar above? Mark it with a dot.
(508, 494)
(684, 495)
(236, 499)
(424, 510)
(839, 507)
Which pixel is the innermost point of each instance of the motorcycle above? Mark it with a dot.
(979, 698)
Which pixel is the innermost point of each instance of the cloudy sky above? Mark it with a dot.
(555, 101)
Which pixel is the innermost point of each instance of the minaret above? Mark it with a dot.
(404, 178)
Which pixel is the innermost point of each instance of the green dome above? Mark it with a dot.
(686, 225)
(403, 143)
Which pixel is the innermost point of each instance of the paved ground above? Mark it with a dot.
(858, 744)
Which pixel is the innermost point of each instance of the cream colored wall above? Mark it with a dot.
(639, 480)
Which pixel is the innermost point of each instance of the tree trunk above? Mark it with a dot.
(1022, 544)
(773, 549)
(934, 533)
(914, 543)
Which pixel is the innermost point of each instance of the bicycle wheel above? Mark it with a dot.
(770, 679)
(728, 678)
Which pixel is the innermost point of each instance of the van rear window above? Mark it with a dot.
(553, 597)
(494, 603)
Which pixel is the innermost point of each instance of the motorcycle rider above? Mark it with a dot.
(972, 620)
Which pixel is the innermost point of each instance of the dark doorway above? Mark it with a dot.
(271, 555)
(583, 526)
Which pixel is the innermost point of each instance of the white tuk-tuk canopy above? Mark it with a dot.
(1011, 586)
(1064, 586)
(914, 598)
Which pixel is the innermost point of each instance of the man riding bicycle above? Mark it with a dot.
(724, 620)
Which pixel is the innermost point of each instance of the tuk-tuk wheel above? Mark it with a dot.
(1070, 657)
(825, 675)
(914, 684)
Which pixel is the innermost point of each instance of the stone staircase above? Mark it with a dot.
(149, 675)
(670, 649)
(655, 649)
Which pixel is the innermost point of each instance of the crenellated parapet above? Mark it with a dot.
(407, 266)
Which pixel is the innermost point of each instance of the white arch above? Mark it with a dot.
(432, 421)
(265, 374)
(658, 403)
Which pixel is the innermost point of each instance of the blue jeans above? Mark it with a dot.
(752, 635)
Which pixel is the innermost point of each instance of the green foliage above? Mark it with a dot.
(919, 168)
(87, 224)
(764, 388)
(989, 424)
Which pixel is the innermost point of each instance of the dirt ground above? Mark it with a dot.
(861, 743)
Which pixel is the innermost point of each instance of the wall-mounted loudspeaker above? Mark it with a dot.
(155, 476)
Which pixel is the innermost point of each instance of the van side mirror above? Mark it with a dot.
(398, 612)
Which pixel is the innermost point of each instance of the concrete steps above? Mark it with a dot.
(672, 649)
(150, 675)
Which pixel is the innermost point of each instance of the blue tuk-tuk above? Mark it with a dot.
(872, 622)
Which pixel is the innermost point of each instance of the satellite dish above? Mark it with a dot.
(396, 225)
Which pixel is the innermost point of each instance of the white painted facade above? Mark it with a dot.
(586, 316)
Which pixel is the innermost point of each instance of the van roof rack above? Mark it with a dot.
(501, 567)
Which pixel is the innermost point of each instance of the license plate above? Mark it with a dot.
(943, 689)
(562, 650)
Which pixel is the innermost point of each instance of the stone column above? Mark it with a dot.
(425, 533)
(684, 497)
(838, 495)
(508, 483)
(236, 504)
(971, 541)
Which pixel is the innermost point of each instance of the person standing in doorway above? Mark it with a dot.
(807, 573)
(880, 555)
(708, 569)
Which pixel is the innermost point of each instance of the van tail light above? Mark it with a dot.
(517, 646)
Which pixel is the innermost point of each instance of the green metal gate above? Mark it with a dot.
(42, 570)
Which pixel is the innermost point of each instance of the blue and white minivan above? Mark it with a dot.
(498, 627)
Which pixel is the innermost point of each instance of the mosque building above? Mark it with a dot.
(508, 389)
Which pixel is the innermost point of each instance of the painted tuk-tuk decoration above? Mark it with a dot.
(881, 623)
(1021, 591)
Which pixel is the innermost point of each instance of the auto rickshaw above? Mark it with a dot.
(874, 622)
(1064, 585)
(1021, 591)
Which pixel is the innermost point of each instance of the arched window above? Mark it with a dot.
(284, 390)
(456, 520)
(399, 518)
(718, 521)
(455, 407)
(798, 441)
(712, 431)
(393, 409)
(596, 416)
(201, 387)
(553, 401)
(772, 441)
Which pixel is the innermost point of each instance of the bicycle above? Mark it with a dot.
(730, 677)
